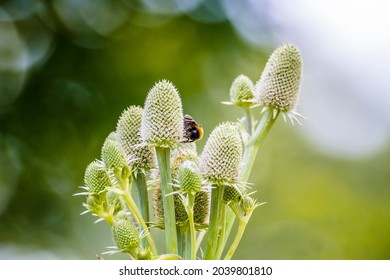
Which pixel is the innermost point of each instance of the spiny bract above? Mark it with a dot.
(279, 84)
(162, 120)
(129, 138)
(220, 161)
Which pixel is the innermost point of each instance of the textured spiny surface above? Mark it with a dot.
(162, 120)
(125, 235)
(96, 178)
(221, 158)
(230, 193)
(201, 208)
(242, 90)
(112, 154)
(190, 180)
(280, 81)
(129, 138)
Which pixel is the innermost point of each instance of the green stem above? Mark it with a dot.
(248, 120)
(163, 159)
(190, 213)
(199, 240)
(124, 185)
(214, 224)
(266, 121)
(252, 147)
(142, 197)
(242, 223)
(221, 237)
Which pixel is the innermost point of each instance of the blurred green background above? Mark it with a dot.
(69, 68)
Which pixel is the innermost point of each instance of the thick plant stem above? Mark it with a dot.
(190, 213)
(221, 237)
(124, 186)
(139, 183)
(163, 159)
(214, 224)
(251, 149)
(248, 120)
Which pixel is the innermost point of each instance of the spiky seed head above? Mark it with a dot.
(162, 120)
(129, 138)
(231, 193)
(201, 208)
(125, 236)
(112, 154)
(96, 178)
(190, 180)
(242, 91)
(279, 84)
(220, 161)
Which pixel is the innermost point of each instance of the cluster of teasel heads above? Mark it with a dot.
(146, 163)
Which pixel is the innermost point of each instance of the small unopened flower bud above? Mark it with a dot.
(112, 154)
(96, 178)
(114, 202)
(125, 236)
(247, 204)
(190, 180)
(241, 92)
(129, 138)
(279, 84)
(220, 161)
(162, 120)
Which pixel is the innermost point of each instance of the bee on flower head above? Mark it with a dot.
(193, 131)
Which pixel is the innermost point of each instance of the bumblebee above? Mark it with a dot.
(192, 130)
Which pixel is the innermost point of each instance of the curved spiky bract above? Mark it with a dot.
(242, 91)
(190, 180)
(162, 120)
(279, 84)
(112, 154)
(125, 235)
(128, 130)
(96, 178)
(220, 161)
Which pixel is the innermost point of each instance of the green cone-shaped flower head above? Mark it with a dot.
(220, 161)
(112, 154)
(162, 120)
(190, 180)
(242, 91)
(129, 138)
(125, 236)
(96, 178)
(279, 84)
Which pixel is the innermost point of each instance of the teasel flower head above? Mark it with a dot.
(112, 154)
(140, 155)
(162, 120)
(190, 180)
(280, 82)
(125, 236)
(221, 159)
(241, 92)
(96, 179)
